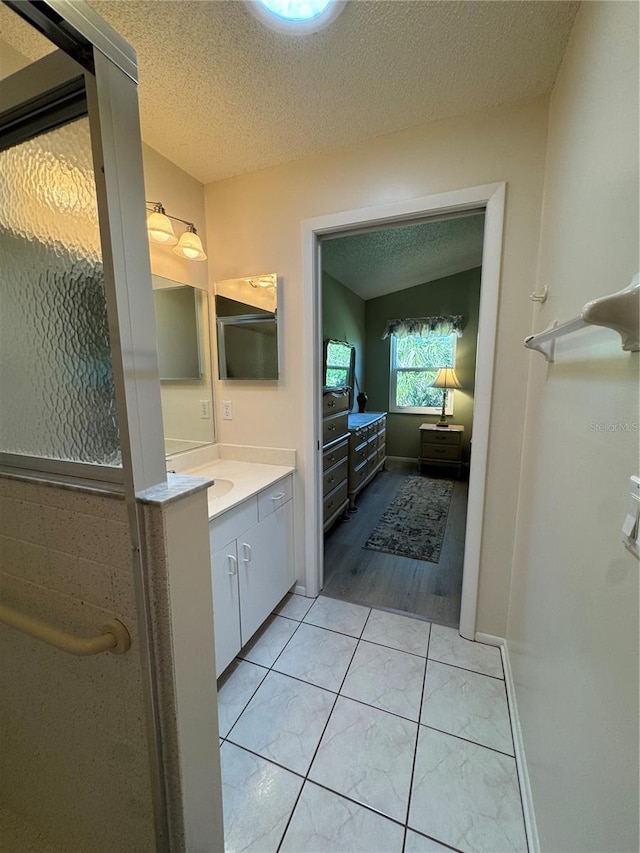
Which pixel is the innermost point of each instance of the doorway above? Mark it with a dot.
(393, 295)
(488, 198)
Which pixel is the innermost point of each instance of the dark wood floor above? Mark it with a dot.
(428, 590)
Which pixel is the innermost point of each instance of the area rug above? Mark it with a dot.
(413, 524)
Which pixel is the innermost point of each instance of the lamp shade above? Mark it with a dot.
(190, 246)
(159, 227)
(445, 378)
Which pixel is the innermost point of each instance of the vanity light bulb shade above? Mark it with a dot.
(190, 247)
(160, 229)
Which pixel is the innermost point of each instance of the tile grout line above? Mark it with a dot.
(269, 669)
(415, 750)
(315, 752)
(466, 669)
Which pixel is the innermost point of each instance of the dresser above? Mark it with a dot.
(441, 446)
(335, 454)
(367, 450)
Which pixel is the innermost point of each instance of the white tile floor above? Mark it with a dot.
(351, 729)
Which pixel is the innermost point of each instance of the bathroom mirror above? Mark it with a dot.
(247, 327)
(184, 361)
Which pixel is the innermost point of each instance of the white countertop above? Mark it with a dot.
(248, 479)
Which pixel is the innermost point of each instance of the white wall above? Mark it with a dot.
(254, 224)
(182, 196)
(573, 620)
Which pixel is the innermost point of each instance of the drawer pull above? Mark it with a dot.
(247, 552)
(330, 504)
(330, 479)
(233, 565)
(331, 458)
(278, 497)
(331, 404)
(331, 427)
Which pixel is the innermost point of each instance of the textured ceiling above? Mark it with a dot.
(378, 262)
(221, 95)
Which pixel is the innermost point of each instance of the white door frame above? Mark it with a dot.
(490, 196)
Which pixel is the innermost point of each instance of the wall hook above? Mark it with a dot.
(540, 297)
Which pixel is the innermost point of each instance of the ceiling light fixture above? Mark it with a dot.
(296, 17)
(160, 230)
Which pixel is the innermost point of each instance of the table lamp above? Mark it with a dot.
(445, 378)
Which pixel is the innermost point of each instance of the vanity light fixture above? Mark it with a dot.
(161, 231)
(262, 281)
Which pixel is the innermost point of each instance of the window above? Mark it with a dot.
(338, 364)
(415, 360)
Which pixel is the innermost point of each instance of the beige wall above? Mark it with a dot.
(573, 621)
(182, 196)
(254, 223)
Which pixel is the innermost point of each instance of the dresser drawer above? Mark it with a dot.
(360, 455)
(334, 500)
(358, 475)
(382, 438)
(441, 451)
(441, 436)
(335, 453)
(381, 455)
(335, 476)
(334, 402)
(334, 426)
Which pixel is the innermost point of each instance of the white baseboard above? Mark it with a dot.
(413, 459)
(300, 589)
(521, 761)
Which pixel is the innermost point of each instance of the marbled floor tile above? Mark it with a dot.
(294, 606)
(367, 754)
(384, 677)
(447, 646)
(241, 680)
(284, 721)
(467, 704)
(318, 656)
(257, 800)
(466, 796)
(416, 843)
(398, 632)
(337, 615)
(269, 641)
(324, 822)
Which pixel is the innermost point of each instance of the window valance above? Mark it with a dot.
(422, 326)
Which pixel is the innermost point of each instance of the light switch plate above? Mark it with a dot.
(205, 409)
(227, 410)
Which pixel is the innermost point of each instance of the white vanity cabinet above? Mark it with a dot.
(253, 571)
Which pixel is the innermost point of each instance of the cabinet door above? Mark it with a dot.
(266, 571)
(226, 605)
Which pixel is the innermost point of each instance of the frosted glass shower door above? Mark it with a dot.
(56, 375)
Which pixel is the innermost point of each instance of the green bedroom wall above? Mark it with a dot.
(343, 318)
(455, 294)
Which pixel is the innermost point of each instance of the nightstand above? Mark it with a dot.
(441, 446)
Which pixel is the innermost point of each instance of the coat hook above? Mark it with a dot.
(540, 297)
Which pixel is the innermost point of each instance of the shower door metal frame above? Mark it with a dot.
(109, 68)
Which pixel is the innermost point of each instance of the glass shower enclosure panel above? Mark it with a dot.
(56, 375)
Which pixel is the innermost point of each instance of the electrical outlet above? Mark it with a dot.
(205, 409)
(227, 410)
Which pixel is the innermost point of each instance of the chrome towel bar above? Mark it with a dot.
(113, 638)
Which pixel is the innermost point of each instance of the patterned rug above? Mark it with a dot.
(413, 524)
